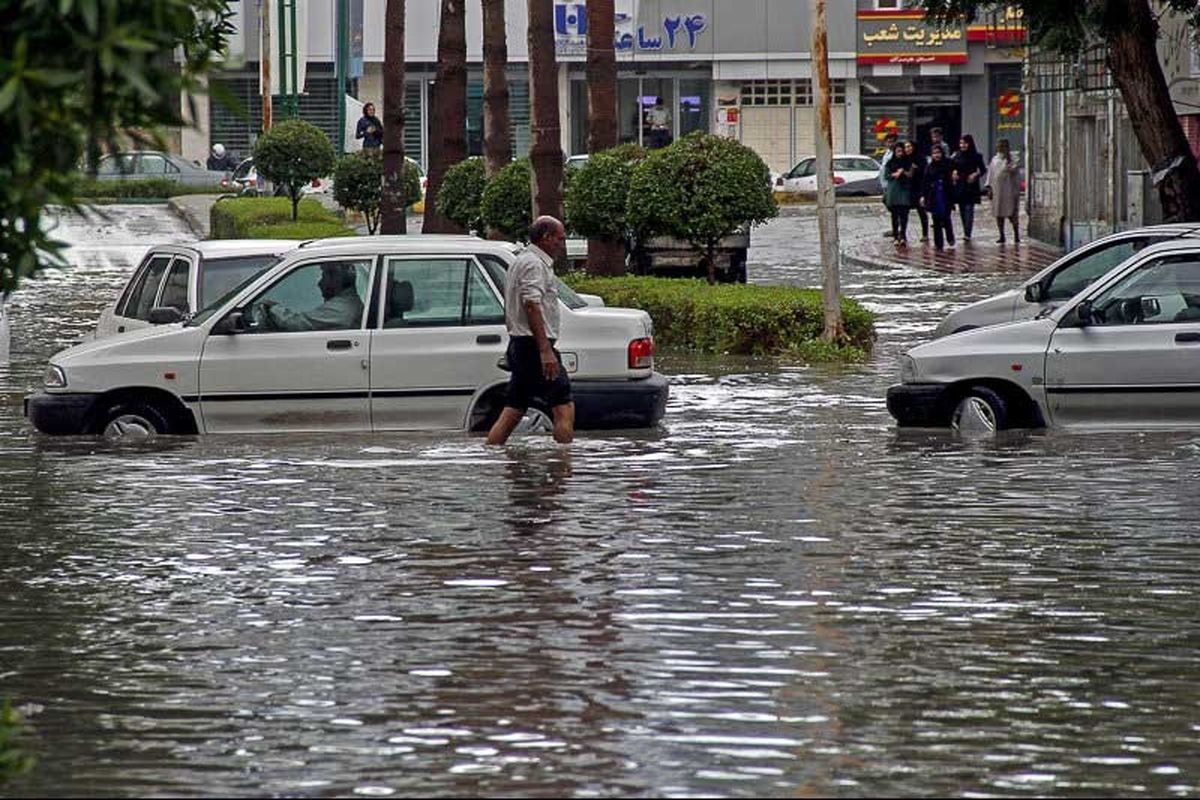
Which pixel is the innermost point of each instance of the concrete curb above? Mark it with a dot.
(193, 210)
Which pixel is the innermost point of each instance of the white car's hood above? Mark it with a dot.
(139, 339)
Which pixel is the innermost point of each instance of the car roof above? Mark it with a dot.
(1181, 244)
(233, 248)
(414, 243)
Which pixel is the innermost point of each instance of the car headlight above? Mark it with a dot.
(908, 370)
(55, 378)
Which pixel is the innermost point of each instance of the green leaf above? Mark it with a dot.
(8, 93)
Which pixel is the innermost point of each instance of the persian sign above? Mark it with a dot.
(903, 37)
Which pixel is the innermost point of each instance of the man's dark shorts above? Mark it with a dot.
(526, 380)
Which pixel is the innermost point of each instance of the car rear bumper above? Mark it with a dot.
(60, 414)
(918, 405)
(619, 404)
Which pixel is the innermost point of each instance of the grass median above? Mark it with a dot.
(271, 218)
(736, 318)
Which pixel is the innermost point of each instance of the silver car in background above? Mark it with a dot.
(1062, 280)
(137, 165)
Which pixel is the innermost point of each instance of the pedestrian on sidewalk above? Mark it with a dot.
(898, 195)
(937, 142)
(1004, 186)
(889, 144)
(918, 180)
(969, 173)
(937, 196)
(370, 129)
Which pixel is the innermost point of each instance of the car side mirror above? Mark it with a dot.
(164, 315)
(232, 323)
(1084, 313)
(1035, 293)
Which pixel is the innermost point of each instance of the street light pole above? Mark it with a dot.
(343, 27)
(831, 290)
(264, 61)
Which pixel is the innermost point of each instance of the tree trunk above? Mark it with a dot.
(605, 256)
(545, 152)
(1133, 60)
(448, 142)
(831, 290)
(497, 144)
(392, 205)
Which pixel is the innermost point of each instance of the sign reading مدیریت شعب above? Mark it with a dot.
(903, 37)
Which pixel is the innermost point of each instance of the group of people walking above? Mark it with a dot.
(935, 184)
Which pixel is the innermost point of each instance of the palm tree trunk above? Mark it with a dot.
(1133, 60)
(391, 207)
(497, 145)
(545, 152)
(448, 142)
(605, 256)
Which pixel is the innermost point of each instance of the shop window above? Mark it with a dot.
(797, 92)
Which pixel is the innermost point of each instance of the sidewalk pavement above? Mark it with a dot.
(194, 210)
(981, 254)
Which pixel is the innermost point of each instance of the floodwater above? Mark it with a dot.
(775, 594)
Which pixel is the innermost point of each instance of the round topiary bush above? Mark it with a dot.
(596, 200)
(701, 189)
(358, 184)
(458, 199)
(292, 154)
(507, 201)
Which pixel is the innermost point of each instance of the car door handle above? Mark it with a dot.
(488, 338)
(338, 344)
(1187, 338)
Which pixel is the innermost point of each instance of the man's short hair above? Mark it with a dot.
(938, 131)
(541, 228)
(344, 274)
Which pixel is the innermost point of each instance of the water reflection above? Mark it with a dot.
(777, 593)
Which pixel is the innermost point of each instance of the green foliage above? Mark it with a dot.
(299, 230)
(266, 217)
(507, 201)
(736, 318)
(701, 188)
(358, 184)
(141, 189)
(292, 154)
(458, 198)
(597, 195)
(14, 761)
(74, 76)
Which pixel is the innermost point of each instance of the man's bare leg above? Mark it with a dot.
(508, 420)
(564, 423)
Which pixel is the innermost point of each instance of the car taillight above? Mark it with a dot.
(641, 353)
(838, 180)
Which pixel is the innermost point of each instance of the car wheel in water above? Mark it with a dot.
(134, 420)
(535, 421)
(980, 411)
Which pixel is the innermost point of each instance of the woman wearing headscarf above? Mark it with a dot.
(937, 197)
(969, 172)
(898, 195)
(1005, 185)
(918, 178)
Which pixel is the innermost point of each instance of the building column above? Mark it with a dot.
(854, 118)
(193, 136)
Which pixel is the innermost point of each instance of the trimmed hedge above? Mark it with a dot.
(156, 188)
(736, 318)
(271, 218)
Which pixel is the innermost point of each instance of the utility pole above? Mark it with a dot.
(343, 44)
(264, 61)
(831, 289)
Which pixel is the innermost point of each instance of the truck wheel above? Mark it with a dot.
(129, 420)
(980, 410)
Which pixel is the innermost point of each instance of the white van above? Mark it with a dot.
(408, 339)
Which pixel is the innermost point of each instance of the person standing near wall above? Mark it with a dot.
(370, 129)
(918, 180)
(1004, 186)
(937, 196)
(969, 172)
(889, 145)
(898, 194)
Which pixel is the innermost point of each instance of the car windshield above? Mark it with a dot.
(207, 310)
(219, 275)
(243, 169)
(499, 270)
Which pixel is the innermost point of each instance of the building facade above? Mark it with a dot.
(738, 68)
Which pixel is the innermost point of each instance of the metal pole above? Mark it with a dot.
(283, 73)
(343, 29)
(826, 199)
(264, 59)
(295, 82)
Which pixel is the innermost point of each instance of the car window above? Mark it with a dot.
(803, 169)
(151, 164)
(144, 289)
(854, 165)
(321, 296)
(118, 164)
(483, 307)
(170, 168)
(219, 275)
(175, 286)
(1082, 273)
(498, 271)
(1163, 290)
(425, 292)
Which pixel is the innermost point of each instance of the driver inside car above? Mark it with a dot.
(341, 310)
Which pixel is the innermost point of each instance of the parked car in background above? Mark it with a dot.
(1121, 353)
(174, 281)
(853, 176)
(412, 342)
(576, 161)
(1062, 280)
(144, 164)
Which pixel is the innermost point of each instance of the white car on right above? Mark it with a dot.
(1124, 352)
(1062, 280)
(854, 175)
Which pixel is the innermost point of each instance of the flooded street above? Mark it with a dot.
(774, 594)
